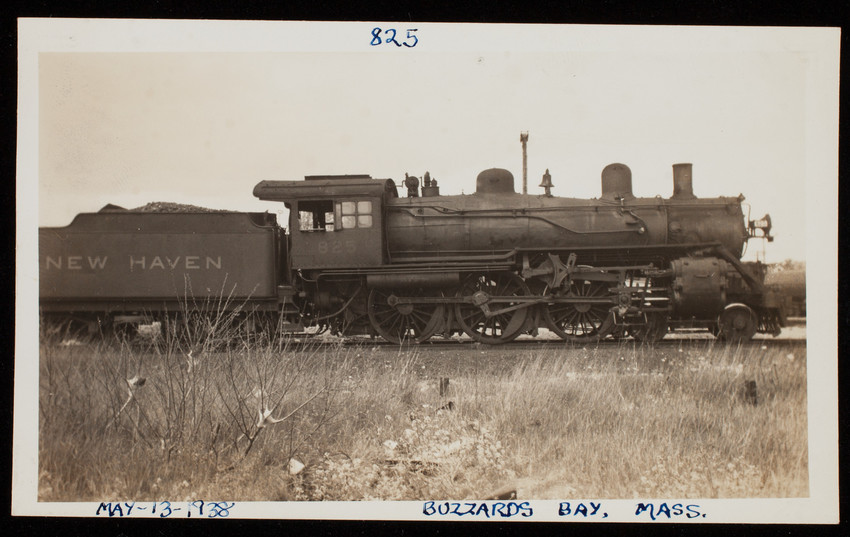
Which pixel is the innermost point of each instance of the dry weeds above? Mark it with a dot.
(607, 422)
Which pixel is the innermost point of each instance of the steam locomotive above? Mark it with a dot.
(359, 259)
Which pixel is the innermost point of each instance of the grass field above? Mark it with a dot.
(366, 423)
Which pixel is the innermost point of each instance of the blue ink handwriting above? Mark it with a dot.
(478, 509)
(390, 37)
(672, 511)
(565, 509)
(165, 509)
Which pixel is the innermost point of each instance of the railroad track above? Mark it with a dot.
(464, 345)
(301, 342)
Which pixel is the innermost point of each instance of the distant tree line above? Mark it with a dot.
(788, 264)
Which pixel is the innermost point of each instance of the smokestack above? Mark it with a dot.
(683, 183)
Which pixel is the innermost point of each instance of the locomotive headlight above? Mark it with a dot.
(764, 224)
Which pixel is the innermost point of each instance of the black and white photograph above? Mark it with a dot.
(426, 271)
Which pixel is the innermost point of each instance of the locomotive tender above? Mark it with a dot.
(359, 259)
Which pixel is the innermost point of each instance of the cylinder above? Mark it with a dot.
(699, 287)
(617, 182)
(683, 185)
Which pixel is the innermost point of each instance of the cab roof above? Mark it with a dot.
(324, 187)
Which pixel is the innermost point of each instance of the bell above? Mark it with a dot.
(547, 182)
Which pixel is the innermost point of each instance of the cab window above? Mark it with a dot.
(316, 215)
(354, 214)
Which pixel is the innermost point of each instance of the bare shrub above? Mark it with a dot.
(126, 420)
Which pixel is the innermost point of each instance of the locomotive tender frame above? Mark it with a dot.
(359, 259)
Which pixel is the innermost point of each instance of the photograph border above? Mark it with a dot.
(820, 45)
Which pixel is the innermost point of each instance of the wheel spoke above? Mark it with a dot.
(498, 328)
(580, 320)
(404, 323)
(738, 323)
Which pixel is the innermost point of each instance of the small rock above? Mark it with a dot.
(505, 493)
(295, 466)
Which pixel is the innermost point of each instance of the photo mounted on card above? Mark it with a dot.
(419, 271)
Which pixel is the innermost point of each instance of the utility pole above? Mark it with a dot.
(523, 138)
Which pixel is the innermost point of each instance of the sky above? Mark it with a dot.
(203, 127)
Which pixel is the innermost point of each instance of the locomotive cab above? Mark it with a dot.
(334, 221)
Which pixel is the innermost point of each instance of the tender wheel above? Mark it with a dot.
(654, 329)
(499, 328)
(737, 323)
(579, 321)
(403, 323)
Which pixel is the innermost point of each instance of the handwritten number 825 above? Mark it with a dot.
(390, 34)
